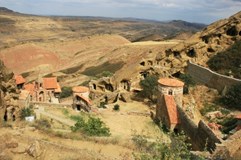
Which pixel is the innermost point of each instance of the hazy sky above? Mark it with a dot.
(205, 11)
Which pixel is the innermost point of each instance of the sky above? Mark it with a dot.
(201, 11)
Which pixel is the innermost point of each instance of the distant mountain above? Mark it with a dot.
(5, 10)
(133, 29)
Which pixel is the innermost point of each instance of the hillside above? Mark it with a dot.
(228, 62)
(29, 28)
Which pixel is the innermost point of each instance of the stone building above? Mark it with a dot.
(170, 93)
(19, 80)
(81, 98)
(48, 90)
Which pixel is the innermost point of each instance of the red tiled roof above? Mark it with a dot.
(50, 83)
(238, 116)
(170, 82)
(85, 99)
(58, 89)
(19, 79)
(30, 87)
(80, 89)
(171, 109)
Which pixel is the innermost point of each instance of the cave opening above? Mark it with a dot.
(232, 31)
(191, 53)
(210, 50)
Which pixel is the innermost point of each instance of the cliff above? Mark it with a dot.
(8, 95)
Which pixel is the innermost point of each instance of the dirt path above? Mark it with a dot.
(64, 121)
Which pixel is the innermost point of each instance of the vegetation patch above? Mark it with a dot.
(105, 67)
(42, 124)
(149, 87)
(116, 107)
(233, 97)
(26, 112)
(66, 92)
(227, 62)
(72, 69)
(178, 149)
(91, 127)
(26, 74)
(189, 82)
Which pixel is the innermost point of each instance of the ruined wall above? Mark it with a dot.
(211, 79)
(9, 108)
(201, 136)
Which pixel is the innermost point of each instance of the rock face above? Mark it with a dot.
(8, 95)
(215, 38)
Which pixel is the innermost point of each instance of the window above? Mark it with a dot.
(170, 92)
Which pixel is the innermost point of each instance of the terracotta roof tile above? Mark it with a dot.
(85, 99)
(30, 87)
(171, 109)
(50, 83)
(238, 116)
(80, 89)
(58, 89)
(19, 79)
(170, 82)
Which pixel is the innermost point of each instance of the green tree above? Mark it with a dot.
(66, 92)
(93, 127)
(96, 127)
(25, 112)
(233, 97)
(149, 87)
(189, 82)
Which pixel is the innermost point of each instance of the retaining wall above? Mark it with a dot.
(201, 136)
(210, 78)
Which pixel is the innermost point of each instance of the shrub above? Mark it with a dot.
(79, 125)
(26, 112)
(102, 105)
(66, 92)
(232, 98)
(96, 127)
(208, 108)
(93, 127)
(116, 107)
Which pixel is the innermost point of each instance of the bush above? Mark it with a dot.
(116, 107)
(102, 105)
(149, 87)
(66, 92)
(232, 98)
(93, 127)
(96, 127)
(26, 112)
(208, 108)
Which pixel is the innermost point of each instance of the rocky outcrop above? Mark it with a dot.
(215, 38)
(8, 95)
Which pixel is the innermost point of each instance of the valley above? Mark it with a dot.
(109, 88)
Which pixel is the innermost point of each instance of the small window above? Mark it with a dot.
(170, 92)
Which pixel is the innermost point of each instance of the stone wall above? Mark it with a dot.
(201, 136)
(210, 78)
